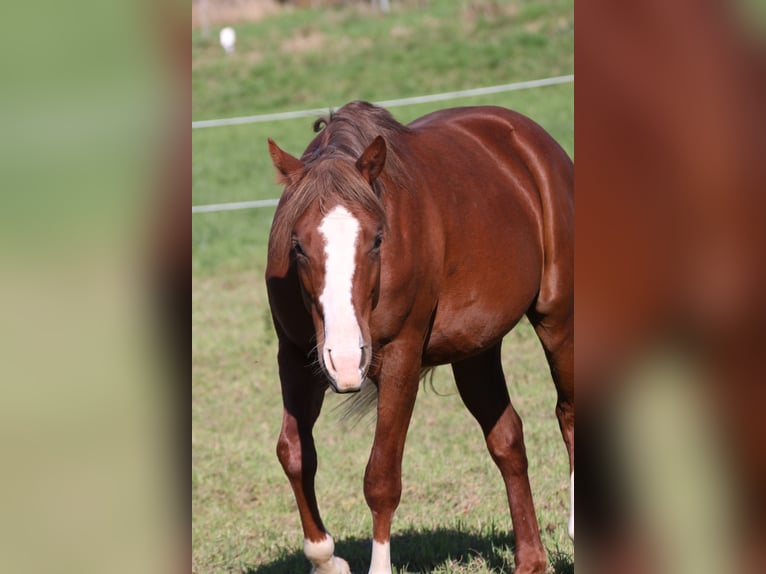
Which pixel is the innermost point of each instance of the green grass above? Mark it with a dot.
(453, 515)
(322, 57)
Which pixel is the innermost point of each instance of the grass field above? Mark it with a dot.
(453, 516)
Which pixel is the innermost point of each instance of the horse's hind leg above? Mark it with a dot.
(556, 333)
(481, 384)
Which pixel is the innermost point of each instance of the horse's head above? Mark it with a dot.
(335, 246)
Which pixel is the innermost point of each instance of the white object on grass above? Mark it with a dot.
(228, 38)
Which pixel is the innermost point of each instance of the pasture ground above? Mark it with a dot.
(453, 516)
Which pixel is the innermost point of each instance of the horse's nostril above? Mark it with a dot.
(329, 356)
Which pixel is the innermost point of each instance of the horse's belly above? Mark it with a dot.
(461, 330)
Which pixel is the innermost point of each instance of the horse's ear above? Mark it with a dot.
(284, 162)
(371, 162)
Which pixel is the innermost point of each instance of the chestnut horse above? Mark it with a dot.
(397, 248)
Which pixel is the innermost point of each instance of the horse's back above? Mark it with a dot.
(503, 188)
(497, 129)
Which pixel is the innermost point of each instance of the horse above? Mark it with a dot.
(397, 248)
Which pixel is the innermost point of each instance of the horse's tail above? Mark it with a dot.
(360, 406)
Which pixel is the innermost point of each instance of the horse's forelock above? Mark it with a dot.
(354, 127)
(330, 175)
(331, 181)
(338, 181)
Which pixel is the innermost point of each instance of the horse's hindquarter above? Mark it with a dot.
(491, 217)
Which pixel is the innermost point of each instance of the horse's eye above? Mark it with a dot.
(378, 241)
(298, 248)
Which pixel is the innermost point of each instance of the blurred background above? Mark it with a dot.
(97, 250)
(670, 282)
(94, 259)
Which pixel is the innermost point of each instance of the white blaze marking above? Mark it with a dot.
(571, 515)
(381, 558)
(343, 337)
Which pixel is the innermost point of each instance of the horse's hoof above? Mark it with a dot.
(342, 566)
(535, 568)
(334, 566)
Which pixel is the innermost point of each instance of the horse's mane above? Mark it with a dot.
(329, 172)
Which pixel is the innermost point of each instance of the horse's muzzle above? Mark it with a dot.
(346, 370)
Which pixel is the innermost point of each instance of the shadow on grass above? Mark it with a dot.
(417, 551)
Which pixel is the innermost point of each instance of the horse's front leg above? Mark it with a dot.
(397, 389)
(302, 395)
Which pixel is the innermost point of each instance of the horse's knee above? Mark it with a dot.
(506, 444)
(382, 489)
(564, 406)
(287, 455)
(565, 414)
(292, 457)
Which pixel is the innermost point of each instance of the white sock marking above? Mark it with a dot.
(571, 514)
(381, 558)
(320, 554)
